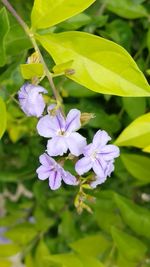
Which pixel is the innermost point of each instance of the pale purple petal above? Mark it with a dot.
(46, 160)
(100, 139)
(46, 126)
(76, 142)
(30, 99)
(57, 146)
(68, 178)
(83, 165)
(37, 107)
(98, 181)
(73, 120)
(109, 152)
(110, 168)
(99, 167)
(55, 180)
(43, 172)
(88, 150)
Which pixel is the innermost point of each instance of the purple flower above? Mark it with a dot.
(30, 99)
(98, 156)
(54, 172)
(62, 133)
(100, 180)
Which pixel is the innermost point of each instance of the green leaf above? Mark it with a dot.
(41, 253)
(128, 9)
(16, 40)
(76, 22)
(137, 133)
(3, 117)
(134, 106)
(135, 216)
(5, 263)
(30, 71)
(129, 246)
(138, 166)
(3, 32)
(92, 64)
(73, 89)
(93, 245)
(120, 32)
(123, 262)
(22, 234)
(7, 250)
(49, 12)
(67, 260)
(88, 261)
(105, 213)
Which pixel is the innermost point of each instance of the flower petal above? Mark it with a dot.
(68, 178)
(83, 165)
(88, 150)
(100, 139)
(59, 119)
(46, 160)
(76, 142)
(30, 99)
(73, 120)
(110, 168)
(46, 126)
(109, 152)
(98, 181)
(55, 180)
(99, 167)
(43, 172)
(57, 146)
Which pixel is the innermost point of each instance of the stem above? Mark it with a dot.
(31, 36)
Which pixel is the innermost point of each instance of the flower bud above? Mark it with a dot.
(86, 117)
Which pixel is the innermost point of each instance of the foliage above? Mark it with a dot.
(100, 61)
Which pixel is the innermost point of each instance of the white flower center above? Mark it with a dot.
(94, 155)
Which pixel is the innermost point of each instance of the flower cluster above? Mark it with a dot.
(62, 138)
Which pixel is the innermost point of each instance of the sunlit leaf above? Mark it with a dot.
(49, 12)
(29, 71)
(137, 133)
(95, 62)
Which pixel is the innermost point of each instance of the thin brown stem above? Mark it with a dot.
(31, 36)
(15, 14)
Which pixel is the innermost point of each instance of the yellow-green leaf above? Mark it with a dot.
(5, 263)
(3, 117)
(7, 250)
(137, 133)
(92, 245)
(32, 70)
(138, 166)
(49, 12)
(94, 62)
